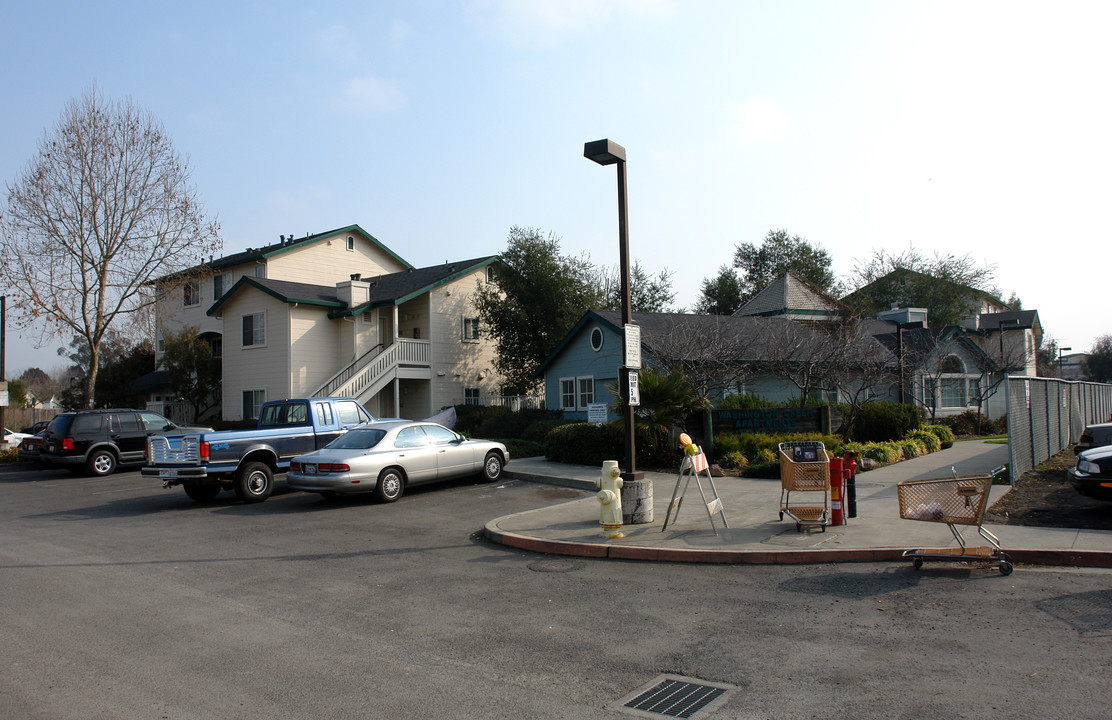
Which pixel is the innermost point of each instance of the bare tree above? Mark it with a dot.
(105, 207)
(865, 370)
(712, 352)
(806, 355)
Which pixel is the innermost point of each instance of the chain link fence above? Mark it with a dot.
(1046, 415)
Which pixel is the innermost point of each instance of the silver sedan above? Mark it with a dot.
(386, 456)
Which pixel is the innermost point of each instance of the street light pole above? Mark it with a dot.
(1060, 351)
(607, 152)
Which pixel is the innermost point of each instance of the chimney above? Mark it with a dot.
(281, 239)
(354, 292)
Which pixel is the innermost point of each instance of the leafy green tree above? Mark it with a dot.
(123, 360)
(777, 254)
(1098, 366)
(39, 384)
(537, 297)
(195, 375)
(950, 287)
(720, 295)
(646, 293)
(119, 373)
(1046, 357)
(17, 394)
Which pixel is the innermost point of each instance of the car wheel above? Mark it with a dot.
(201, 492)
(254, 483)
(101, 463)
(390, 486)
(492, 467)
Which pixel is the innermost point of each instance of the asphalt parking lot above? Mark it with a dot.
(120, 599)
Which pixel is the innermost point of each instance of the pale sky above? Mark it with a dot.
(436, 125)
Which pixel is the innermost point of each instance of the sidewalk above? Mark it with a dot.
(756, 535)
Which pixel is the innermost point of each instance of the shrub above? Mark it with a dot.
(733, 459)
(470, 417)
(926, 438)
(965, 424)
(538, 430)
(942, 432)
(9, 456)
(882, 452)
(881, 422)
(911, 448)
(585, 444)
(762, 470)
(523, 448)
(757, 446)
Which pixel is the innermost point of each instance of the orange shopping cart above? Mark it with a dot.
(958, 500)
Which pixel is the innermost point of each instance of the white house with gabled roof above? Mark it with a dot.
(335, 313)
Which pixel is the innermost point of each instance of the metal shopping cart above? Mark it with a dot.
(805, 467)
(958, 500)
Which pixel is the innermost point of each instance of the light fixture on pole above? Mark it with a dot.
(1060, 351)
(608, 152)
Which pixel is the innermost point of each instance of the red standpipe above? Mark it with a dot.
(837, 491)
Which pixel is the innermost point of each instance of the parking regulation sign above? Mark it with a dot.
(634, 389)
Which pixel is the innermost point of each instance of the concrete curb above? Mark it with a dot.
(1063, 558)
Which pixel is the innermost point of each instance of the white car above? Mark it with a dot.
(384, 457)
(13, 438)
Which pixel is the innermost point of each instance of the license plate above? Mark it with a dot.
(310, 468)
(167, 473)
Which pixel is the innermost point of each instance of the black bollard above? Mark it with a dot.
(851, 484)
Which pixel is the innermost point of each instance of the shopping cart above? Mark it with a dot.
(805, 467)
(958, 500)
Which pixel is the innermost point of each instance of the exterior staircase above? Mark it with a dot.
(374, 370)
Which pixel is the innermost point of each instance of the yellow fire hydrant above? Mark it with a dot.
(610, 497)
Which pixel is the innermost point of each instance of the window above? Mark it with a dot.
(254, 330)
(216, 346)
(124, 423)
(471, 396)
(490, 273)
(260, 270)
(586, 391)
(153, 422)
(411, 437)
(350, 413)
(440, 436)
(279, 414)
(416, 333)
(221, 284)
(252, 401)
(567, 393)
(471, 329)
(953, 392)
(596, 339)
(324, 414)
(351, 243)
(191, 293)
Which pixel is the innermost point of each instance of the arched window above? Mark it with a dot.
(953, 364)
(953, 384)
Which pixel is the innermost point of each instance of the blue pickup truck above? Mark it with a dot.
(247, 460)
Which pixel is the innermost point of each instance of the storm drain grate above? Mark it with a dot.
(673, 696)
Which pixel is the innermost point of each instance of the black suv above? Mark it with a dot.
(98, 441)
